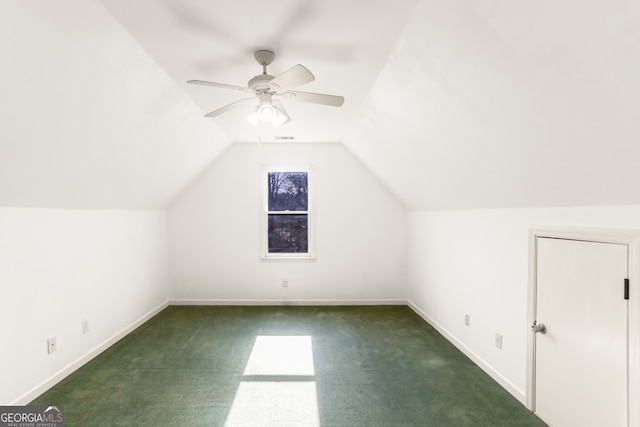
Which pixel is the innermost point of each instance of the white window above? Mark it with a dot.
(287, 217)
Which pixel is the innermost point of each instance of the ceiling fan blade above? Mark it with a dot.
(222, 85)
(315, 98)
(293, 77)
(228, 107)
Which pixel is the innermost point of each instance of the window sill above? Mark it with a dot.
(288, 257)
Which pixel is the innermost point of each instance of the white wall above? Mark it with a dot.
(215, 231)
(476, 262)
(58, 267)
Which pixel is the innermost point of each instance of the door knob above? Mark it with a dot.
(539, 328)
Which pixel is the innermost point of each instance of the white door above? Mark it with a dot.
(581, 359)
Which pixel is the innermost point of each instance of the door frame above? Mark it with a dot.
(631, 238)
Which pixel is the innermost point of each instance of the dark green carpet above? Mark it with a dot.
(375, 366)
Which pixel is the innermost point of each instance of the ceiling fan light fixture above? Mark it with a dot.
(275, 115)
(266, 113)
(282, 117)
(279, 120)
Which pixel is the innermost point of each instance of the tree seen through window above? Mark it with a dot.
(288, 206)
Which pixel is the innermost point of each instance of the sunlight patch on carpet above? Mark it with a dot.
(281, 355)
(275, 404)
(286, 402)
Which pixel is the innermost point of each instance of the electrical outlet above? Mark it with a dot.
(85, 326)
(466, 320)
(51, 345)
(499, 341)
(285, 283)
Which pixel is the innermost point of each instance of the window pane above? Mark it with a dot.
(288, 191)
(288, 233)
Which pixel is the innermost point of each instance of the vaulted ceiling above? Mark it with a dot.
(451, 104)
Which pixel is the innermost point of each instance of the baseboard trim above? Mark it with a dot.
(82, 360)
(506, 384)
(287, 302)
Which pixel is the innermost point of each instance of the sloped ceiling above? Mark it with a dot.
(452, 104)
(494, 104)
(89, 120)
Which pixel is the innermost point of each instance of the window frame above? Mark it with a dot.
(310, 254)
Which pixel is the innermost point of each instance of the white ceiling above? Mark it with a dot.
(452, 104)
(343, 43)
(494, 104)
(89, 120)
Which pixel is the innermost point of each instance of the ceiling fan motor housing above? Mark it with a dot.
(260, 83)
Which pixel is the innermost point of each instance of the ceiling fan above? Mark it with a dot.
(265, 88)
